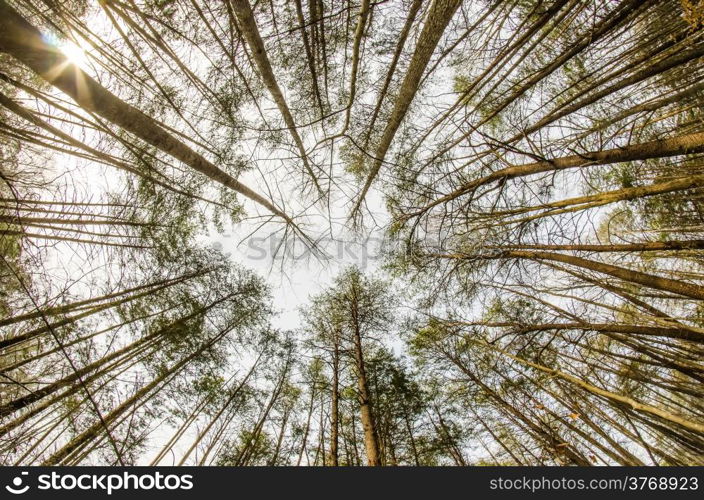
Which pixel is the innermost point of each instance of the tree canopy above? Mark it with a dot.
(534, 170)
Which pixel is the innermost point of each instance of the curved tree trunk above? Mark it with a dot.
(635, 405)
(660, 148)
(25, 43)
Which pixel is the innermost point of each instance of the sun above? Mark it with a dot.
(73, 53)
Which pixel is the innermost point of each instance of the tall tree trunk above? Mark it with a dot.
(547, 437)
(353, 425)
(25, 43)
(648, 280)
(356, 48)
(660, 148)
(617, 398)
(371, 444)
(215, 418)
(246, 453)
(334, 410)
(65, 308)
(694, 335)
(280, 440)
(411, 437)
(310, 55)
(307, 429)
(248, 25)
(647, 246)
(439, 15)
(76, 376)
(391, 72)
(93, 431)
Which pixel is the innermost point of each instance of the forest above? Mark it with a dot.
(534, 170)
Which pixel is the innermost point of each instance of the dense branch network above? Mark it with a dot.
(537, 167)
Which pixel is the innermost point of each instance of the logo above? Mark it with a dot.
(17, 483)
(103, 482)
(112, 482)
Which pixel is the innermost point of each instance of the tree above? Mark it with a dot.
(535, 169)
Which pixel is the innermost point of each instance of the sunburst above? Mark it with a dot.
(74, 53)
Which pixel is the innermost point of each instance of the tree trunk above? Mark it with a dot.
(334, 410)
(617, 398)
(648, 280)
(25, 43)
(215, 418)
(245, 18)
(660, 148)
(89, 434)
(391, 72)
(307, 429)
(648, 246)
(367, 417)
(439, 15)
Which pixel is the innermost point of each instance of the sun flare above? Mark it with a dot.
(74, 53)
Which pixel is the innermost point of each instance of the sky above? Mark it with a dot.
(293, 272)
